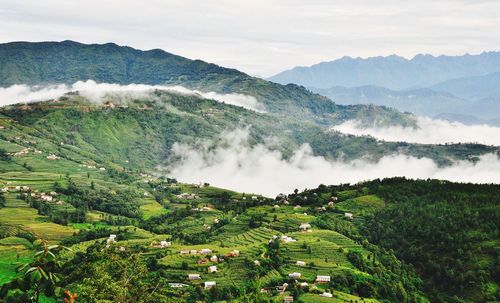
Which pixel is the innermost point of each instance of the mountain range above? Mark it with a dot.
(393, 72)
(457, 88)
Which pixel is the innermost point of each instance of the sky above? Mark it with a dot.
(262, 37)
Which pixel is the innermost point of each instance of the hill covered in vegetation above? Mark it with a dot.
(74, 172)
(138, 133)
(186, 242)
(67, 62)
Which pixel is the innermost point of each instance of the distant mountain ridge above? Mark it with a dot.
(422, 102)
(483, 86)
(393, 71)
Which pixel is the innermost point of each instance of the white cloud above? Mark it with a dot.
(96, 91)
(233, 163)
(428, 131)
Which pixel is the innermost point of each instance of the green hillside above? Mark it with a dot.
(139, 133)
(68, 62)
(97, 203)
(407, 241)
(75, 170)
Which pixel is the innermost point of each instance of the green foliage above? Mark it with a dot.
(449, 232)
(39, 277)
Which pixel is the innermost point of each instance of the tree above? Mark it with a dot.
(39, 276)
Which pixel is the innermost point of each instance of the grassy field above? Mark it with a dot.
(338, 297)
(18, 213)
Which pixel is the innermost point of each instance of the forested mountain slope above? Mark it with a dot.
(139, 133)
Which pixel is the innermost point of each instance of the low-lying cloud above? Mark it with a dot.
(97, 91)
(233, 163)
(428, 131)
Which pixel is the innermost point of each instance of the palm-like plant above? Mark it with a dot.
(39, 276)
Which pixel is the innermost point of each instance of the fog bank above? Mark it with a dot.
(96, 91)
(231, 162)
(429, 131)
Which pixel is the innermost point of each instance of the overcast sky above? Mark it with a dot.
(263, 37)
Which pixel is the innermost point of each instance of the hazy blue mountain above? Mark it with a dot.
(423, 102)
(472, 87)
(393, 72)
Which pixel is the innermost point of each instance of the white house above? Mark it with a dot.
(256, 262)
(193, 251)
(111, 239)
(184, 252)
(304, 226)
(177, 285)
(322, 279)
(304, 284)
(327, 295)
(165, 244)
(206, 251)
(301, 263)
(46, 198)
(194, 276)
(294, 275)
(214, 258)
(212, 269)
(210, 284)
(52, 157)
(287, 239)
(348, 215)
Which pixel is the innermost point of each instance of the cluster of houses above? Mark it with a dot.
(207, 284)
(283, 238)
(26, 191)
(191, 196)
(207, 251)
(53, 157)
(319, 278)
(16, 189)
(295, 275)
(92, 167)
(211, 268)
(163, 244)
(204, 251)
(254, 198)
(146, 177)
(204, 208)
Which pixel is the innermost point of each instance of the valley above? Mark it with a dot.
(107, 191)
(76, 181)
